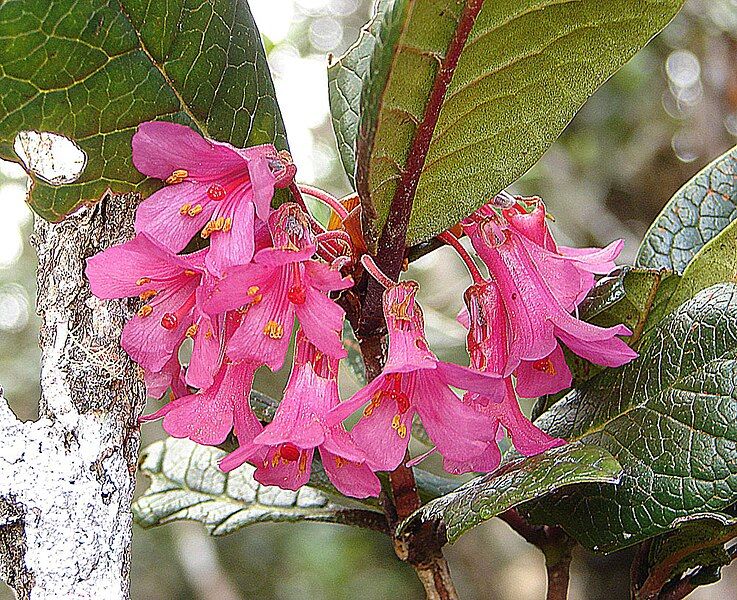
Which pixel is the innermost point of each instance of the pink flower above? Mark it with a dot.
(288, 443)
(526, 438)
(414, 380)
(281, 283)
(168, 285)
(487, 350)
(213, 188)
(222, 403)
(207, 416)
(171, 377)
(535, 288)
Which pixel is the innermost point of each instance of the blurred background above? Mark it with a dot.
(663, 117)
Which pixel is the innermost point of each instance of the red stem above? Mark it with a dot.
(453, 241)
(325, 198)
(392, 242)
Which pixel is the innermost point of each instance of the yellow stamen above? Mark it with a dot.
(253, 290)
(208, 334)
(219, 222)
(228, 225)
(402, 431)
(275, 460)
(375, 402)
(274, 330)
(195, 210)
(190, 272)
(192, 330)
(145, 310)
(177, 176)
(143, 281)
(396, 422)
(147, 295)
(339, 462)
(184, 209)
(302, 462)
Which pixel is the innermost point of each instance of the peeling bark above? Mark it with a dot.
(67, 480)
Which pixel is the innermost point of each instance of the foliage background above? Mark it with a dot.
(669, 112)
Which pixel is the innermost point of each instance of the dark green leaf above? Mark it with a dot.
(669, 417)
(526, 479)
(187, 484)
(697, 213)
(525, 70)
(92, 70)
(715, 263)
(698, 542)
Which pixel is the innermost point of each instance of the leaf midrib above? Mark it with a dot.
(160, 68)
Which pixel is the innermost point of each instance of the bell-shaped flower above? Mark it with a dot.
(212, 188)
(535, 291)
(222, 403)
(208, 415)
(287, 444)
(168, 286)
(282, 282)
(415, 381)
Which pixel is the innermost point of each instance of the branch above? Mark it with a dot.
(423, 551)
(66, 480)
(556, 546)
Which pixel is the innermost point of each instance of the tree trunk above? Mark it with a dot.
(67, 480)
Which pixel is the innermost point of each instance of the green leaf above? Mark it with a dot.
(92, 70)
(354, 360)
(715, 263)
(526, 479)
(525, 70)
(698, 542)
(669, 417)
(187, 484)
(697, 213)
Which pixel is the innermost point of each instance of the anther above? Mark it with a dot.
(195, 210)
(143, 281)
(145, 311)
(191, 330)
(228, 225)
(177, 176)
(147, 295)
(184, 209)
(274, 330)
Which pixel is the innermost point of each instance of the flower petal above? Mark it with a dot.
(456, 429)
(545, 376)
(236, 246)
(288, 475)
(322, 322)
(160, 148)
(114, 273)
(352, 479)
(381, 442)
(164, 217)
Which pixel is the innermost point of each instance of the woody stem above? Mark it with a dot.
(453, 241)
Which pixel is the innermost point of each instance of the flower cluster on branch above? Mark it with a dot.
(263, 269)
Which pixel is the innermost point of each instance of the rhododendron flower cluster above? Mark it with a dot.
(266, 272)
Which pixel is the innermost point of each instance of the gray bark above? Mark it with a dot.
(67, 480)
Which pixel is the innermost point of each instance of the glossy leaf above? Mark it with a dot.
(526, 479)
(92, 70)
(525, 70)
(669, 417)
(715, 263)
(697, 213)
(187, 484)
(697, 543)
